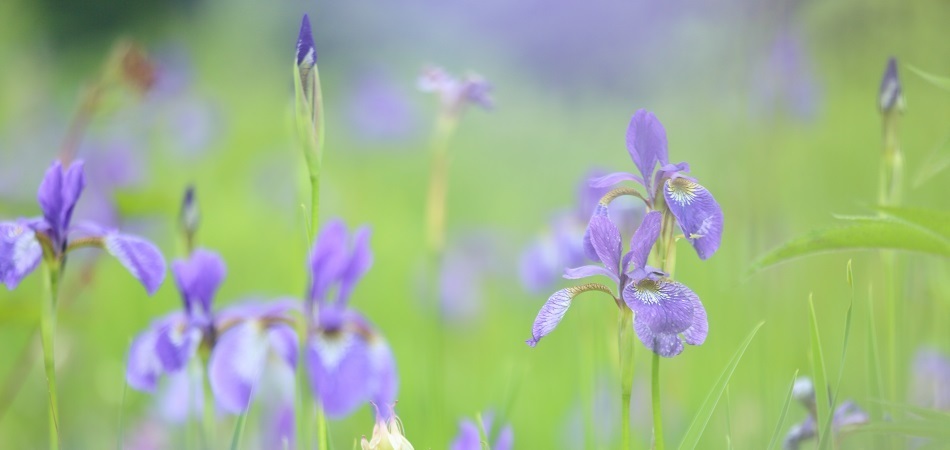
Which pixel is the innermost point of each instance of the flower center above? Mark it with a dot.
(682, 190)
(649, 291)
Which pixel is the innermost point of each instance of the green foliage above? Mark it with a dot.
(823, 409)
(776, 435)
(705, 411)
(936, 80)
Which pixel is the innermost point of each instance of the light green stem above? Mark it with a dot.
(657, 413)
(627, 346)
(323, 433)
(48, 332)
(889, 194)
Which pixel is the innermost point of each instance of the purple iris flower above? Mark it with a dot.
(469, 437)
(456, 93)
(890, 95)
(25, 242)
(242, 338)
(348, 360)
(544, 260)
(845, 417)
(696, 211)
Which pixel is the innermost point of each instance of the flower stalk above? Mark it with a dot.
(657, 412)
(48, 332)
(626, 343)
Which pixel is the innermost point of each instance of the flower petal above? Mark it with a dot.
(613, 179)
(341, 372)
(360, 261)
(646, 143)
(606, 242)
(468, 438)
(58, 193)
(643, 239)
(573, 273)
(181, 396)
(140, 257)
(236, 365)
(328, 258)
(697, 331)
(283, 340)
(505, 440)
(550, 315)
(144, 367)
(198, 278)
(697, 213)
(20, 252)
(662, 310)
(386, 379)
(176, 342)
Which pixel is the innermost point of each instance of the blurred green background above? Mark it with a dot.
(783, 136)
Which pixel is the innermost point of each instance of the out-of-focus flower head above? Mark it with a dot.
(348, 361)
(930, 380)
(378, 111)
(25, 242)
(845, 417)
(470, 438)
(387, 434)
(784, 80)
(469, 262)
(456, 93)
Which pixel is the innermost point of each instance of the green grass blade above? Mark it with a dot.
(936, 80)
(818, 372)
(866, 233)
(933, 429)
(826, 429)
(932, 220)
(705, 411)
(238, 431)
(874, 363)
(781, 417)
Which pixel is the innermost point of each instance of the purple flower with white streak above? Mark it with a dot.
(25, 242)
(456, 93)
(694, 207)
(348, 361)
(845, 417)
(469, 437)
(242, 338)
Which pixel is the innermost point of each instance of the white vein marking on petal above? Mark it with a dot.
(249, 364)
(24, 246)
(682, 191)
(651, 292)
(116, 249)
(332, 349)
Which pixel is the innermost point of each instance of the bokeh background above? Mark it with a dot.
(772, 103)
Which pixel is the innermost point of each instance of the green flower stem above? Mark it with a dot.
(48, 332)
(439, 183)
(627, 346)
(657, 413)
(889, 194)
(323, 434)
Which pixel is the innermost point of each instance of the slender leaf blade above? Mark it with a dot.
(238, 431)
(935, 221)
(781, 417)
(936, 80)
(705, 411)
(866, 233)
(818, 372)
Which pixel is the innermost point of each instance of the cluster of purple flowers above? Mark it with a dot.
(846, 416)
(666, 312)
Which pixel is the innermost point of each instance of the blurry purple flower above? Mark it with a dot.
(348, 361)
(696, 211)
(241, 337)
(930, 380)
(784, 79)
(378, 111)
(455, 94)
(468, 263)
(148, 434)
(25, 241)
(891, 95)
(469, 437)
(543, 261)
(845, 417)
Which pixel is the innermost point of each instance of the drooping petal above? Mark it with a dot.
(612, 179)
(341, 372)
(573, 273)
(643, 239)
(236, 365)
(697, 212)
(140, 257)
(176, 343)
(360, 261)
(589, 251)
(198, 279)
(606, 242)
(662, 310)
(283, 341)
(328, 259)
(181, 396)
(697, 331)
(646, 143)
(505, 440)
(550, 315)
(144, 367)
(20, 252)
